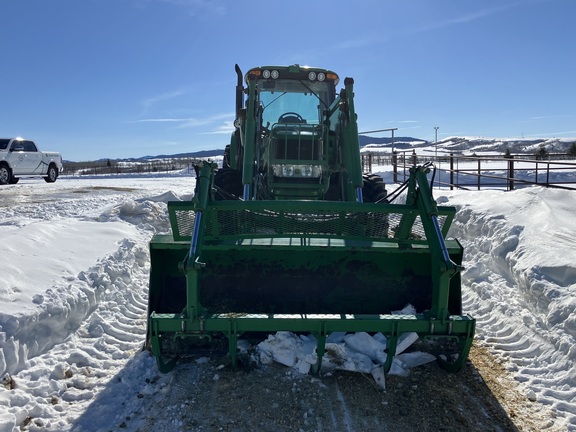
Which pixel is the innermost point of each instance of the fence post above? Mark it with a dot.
(479, 172)
(395, 166)
(451, 171)
(511, 173)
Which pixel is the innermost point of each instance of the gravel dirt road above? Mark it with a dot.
(212, 397)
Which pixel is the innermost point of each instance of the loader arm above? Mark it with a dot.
(349, 133)
(249, 141)
(442, 267)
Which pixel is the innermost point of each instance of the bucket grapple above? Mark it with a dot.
(288, 235)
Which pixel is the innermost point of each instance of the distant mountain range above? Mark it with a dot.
(469, 145)
(466, 145)
(197, 154)
(364, 140)
(387, 141)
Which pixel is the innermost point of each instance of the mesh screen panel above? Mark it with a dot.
(248, 223)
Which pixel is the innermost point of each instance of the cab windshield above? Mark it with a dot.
(305, 98)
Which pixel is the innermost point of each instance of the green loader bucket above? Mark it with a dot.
(236, 267)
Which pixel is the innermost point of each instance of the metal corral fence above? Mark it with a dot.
(129, 167)
(477, 172)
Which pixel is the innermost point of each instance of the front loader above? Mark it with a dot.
(290, 235)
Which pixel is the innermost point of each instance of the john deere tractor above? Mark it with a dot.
(289, 234)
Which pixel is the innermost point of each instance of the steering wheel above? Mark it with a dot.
(291, 117)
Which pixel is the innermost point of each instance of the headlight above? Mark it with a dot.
(306, 170)
(288, 170)
(297, 171)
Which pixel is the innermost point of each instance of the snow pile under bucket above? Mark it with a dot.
(353, 352)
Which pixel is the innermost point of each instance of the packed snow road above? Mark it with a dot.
(73, 296)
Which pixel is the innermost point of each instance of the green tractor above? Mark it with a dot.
(290, 235)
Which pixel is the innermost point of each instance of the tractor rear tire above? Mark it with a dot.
(373, 188)
(226, 160)
(229, 183)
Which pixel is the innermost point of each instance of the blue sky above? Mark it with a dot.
(128, 78)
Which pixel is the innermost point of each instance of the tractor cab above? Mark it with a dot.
(291, 108)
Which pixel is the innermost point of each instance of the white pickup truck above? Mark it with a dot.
(21, 158)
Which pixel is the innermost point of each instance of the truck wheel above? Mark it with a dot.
(52, 174)
(5, 174)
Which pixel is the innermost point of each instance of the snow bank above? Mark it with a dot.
(520, 283)
(74, 302)
(58, 278)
